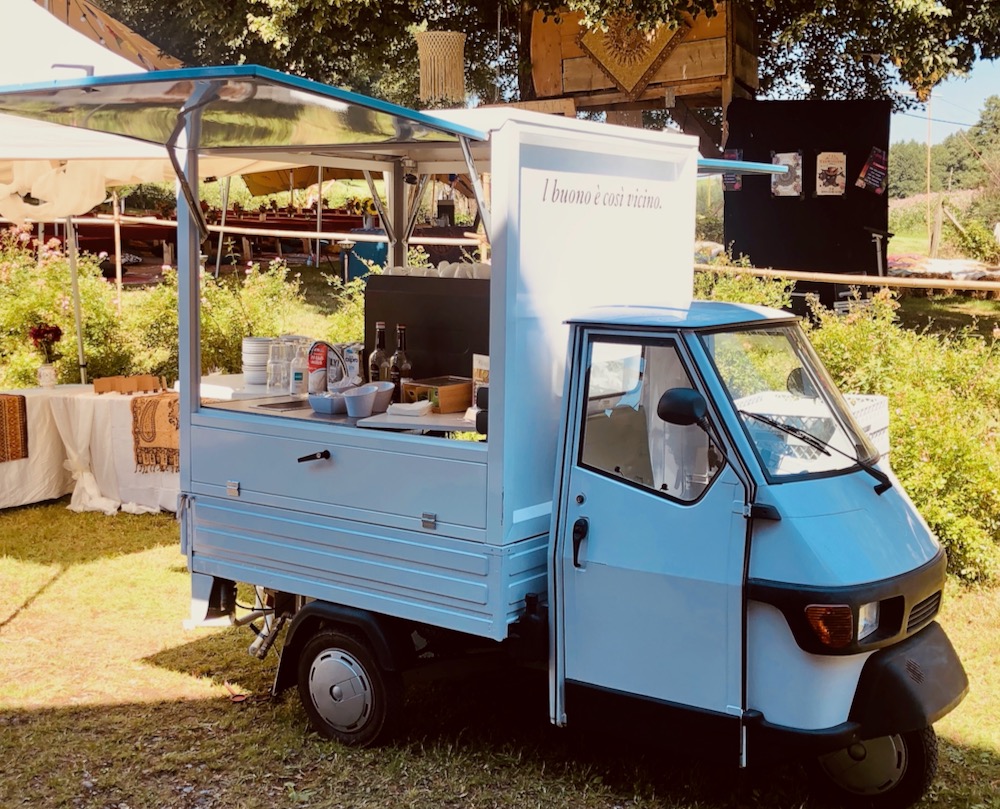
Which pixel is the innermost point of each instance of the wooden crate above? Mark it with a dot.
(448, 394)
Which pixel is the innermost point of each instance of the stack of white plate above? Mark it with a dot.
(255, 350)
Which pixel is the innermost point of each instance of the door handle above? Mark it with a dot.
(580, 529)
(322, 455)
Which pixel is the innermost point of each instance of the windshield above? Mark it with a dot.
(776, 381)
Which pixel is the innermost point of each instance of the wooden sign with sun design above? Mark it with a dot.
(628, 55)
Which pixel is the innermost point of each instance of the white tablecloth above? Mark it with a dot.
(96, 431)
(229, 386)
(40, 476)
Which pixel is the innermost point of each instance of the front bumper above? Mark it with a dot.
(904, 687)
(910, 685)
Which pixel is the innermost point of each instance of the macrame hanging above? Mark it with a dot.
(442, 66)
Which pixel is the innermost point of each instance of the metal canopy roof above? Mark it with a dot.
(267, 115)
(248, 109)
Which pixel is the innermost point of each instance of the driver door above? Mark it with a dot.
(649, 600)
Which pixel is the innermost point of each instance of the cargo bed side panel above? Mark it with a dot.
(452, 583)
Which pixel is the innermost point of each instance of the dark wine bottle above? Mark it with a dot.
(400, 369)
(378, 362)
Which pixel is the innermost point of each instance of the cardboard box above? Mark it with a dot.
(480, 374)
(141, 383)
(447, 394)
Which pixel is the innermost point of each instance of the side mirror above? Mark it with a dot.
(682, 406)
(799, 384)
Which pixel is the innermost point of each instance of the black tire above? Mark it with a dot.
(890, 772)
(346, 694)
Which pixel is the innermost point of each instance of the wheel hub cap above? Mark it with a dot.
(868, 768)
(340, 690)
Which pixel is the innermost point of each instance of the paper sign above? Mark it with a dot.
(730, 181)
(831, 174)
(875, 174)
(789, 184)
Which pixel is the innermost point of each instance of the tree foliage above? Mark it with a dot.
(968, 159)
(820, 49)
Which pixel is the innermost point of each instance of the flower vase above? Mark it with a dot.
(369, 222)
(47, 375)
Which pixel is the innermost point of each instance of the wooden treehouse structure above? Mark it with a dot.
(699, 65)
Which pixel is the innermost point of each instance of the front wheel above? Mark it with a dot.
(346, 694)
(890, 772)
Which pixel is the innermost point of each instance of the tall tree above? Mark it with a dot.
(820, 49)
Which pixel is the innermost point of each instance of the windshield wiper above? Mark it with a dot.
(884, 484)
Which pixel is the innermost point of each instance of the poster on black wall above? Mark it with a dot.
(875, 174)
(831, 174)
(731, 181)
(788, 184)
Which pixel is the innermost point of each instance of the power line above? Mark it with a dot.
(935, 120)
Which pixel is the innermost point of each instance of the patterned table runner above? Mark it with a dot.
(13, 427)
(156, 432)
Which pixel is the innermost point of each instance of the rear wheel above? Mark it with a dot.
(345, 692)
(890, 772)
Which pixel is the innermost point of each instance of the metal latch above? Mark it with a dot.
(762, 511)
(428, 520)
(233, 488)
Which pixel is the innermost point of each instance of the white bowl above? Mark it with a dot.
(360, 401)
(341, 386)
(328, 403)
(383, 395)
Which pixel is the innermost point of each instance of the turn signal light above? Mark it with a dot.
(832, 623)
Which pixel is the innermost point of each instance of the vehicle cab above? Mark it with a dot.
(731, 547)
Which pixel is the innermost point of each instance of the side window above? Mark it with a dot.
(623, 437)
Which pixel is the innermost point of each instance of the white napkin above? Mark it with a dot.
(421, 408)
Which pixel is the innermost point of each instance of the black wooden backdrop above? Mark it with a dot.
(814, 233)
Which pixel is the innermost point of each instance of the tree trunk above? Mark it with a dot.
(525, 83)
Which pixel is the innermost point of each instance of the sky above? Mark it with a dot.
(955, 104)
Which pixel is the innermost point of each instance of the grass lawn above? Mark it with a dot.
(949, 313)
(105, 701)
(912, 242)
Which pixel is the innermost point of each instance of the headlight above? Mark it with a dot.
(867, 619)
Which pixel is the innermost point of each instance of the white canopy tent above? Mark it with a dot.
(50, 173)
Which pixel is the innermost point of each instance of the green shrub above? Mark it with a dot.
(977, 241)
(944, 396)
(740, 288)
(347, 322)
(256, 302)
(908, 218)
(35, 288)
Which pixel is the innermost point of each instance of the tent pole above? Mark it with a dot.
(222, 224)
(319, 212)
(118, 246)
(75, 283)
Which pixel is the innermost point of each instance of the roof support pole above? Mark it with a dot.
(398, 242)
(74, 277)
(477, 186)
(225, 208)
(387, 221)
(418, 195)
(191, 230)
(204, 93)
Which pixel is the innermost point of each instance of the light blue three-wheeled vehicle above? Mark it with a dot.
(673, 508)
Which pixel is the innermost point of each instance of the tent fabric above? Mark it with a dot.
(34, 155)
(274, 182)
(67, 170)
(41, 42)
(98, 26)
